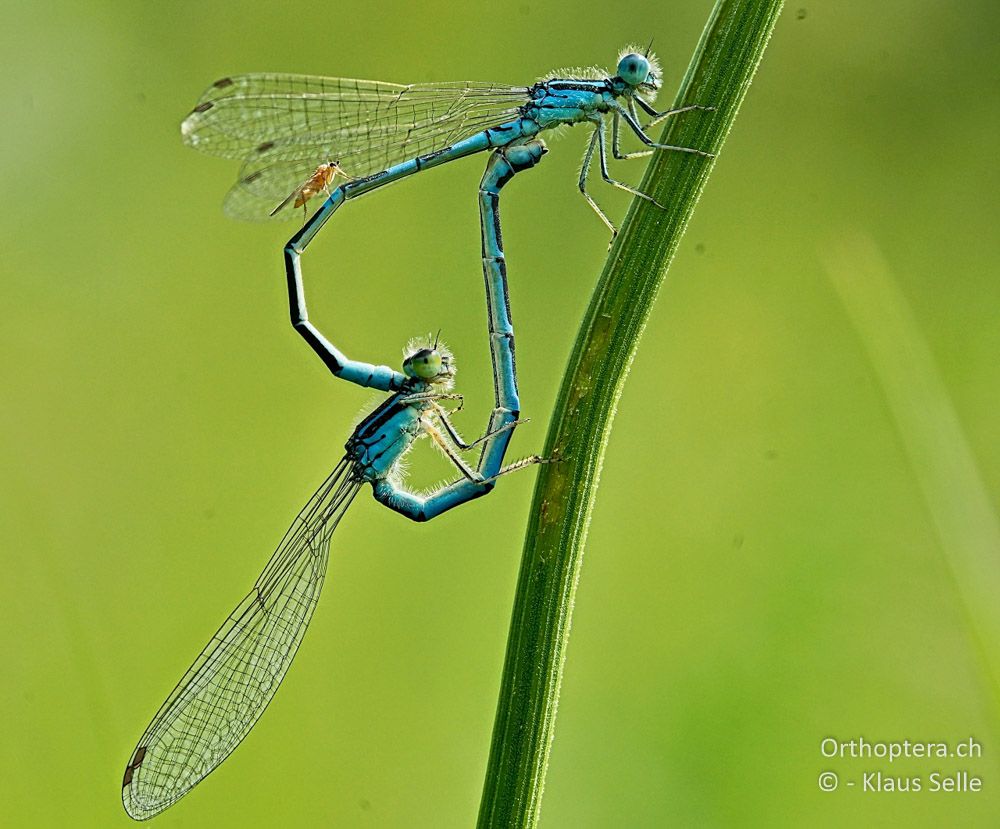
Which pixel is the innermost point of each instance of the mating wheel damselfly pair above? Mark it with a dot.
(295, 135)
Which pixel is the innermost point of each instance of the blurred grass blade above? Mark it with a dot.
(931, 434)
(719, 75)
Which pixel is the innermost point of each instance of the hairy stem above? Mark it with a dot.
(719, 75)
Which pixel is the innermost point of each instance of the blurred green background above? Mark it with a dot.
(776, 555)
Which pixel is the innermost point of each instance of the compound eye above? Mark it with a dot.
(633, 69)
(425, 364)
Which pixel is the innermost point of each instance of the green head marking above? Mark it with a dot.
(429, 362)
(424, 364)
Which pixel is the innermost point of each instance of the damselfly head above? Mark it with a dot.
(430, 361)
(641, 71)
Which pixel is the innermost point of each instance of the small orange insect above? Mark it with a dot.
(318, 182)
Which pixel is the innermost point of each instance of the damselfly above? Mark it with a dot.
(225, 691)
(282, 126)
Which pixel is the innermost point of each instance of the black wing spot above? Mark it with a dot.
(253, 177)
(137, 758)
(203, 107)
(222, 83)
(267, 145)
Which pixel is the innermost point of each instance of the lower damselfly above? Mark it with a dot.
(225, 691)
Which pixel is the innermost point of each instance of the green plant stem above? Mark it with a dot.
(719, 75)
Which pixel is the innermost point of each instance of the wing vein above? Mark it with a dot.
(227, 688)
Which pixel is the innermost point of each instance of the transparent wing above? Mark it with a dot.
(225, 691)
(284, 126)
(248, 200)
(268, 174)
